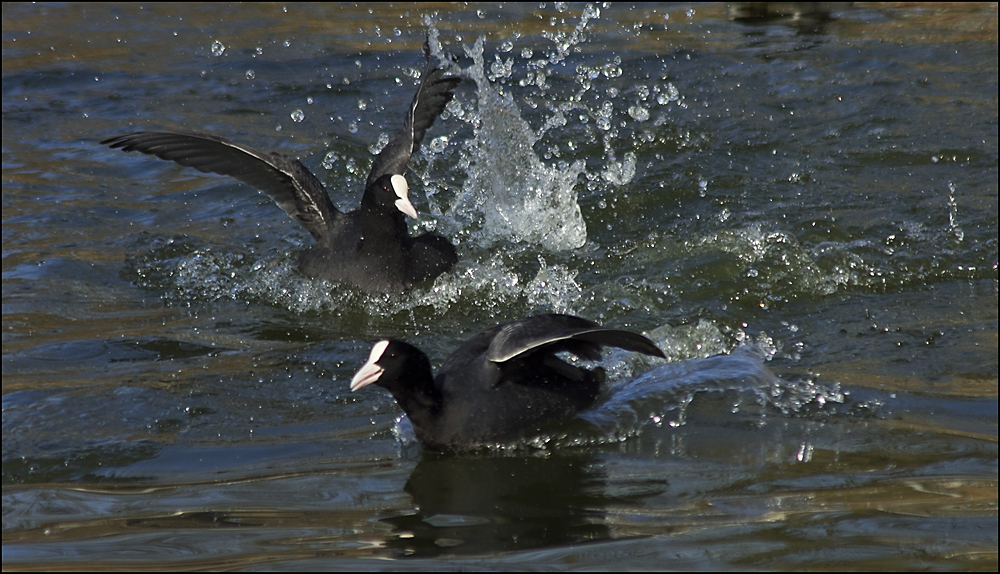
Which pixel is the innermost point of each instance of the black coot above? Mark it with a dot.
(369, 247)
(499, 384)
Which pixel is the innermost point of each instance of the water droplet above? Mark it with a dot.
(638, 113)
(298, 116)
(352, 166)
(438, 144)
(329, 159)
(218, 48)
(501, 69)
(611, 70)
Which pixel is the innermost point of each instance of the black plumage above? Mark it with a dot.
(370, 247)
(499, 384)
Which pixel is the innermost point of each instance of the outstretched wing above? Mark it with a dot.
(285, 180)
(433, 94)
(563, 332)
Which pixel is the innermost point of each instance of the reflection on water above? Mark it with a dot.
(799, 210)
(483, 504)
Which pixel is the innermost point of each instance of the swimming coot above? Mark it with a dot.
(369, 247)
(499, 384)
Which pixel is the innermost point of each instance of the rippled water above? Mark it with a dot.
(801, 212)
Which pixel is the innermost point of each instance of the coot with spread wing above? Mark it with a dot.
(369, 247)
(499, 384)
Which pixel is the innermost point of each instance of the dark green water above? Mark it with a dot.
(802, 213)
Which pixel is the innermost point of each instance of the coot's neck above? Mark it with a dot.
(419, 397)
(381, 223)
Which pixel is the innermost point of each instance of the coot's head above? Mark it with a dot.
(393, 365)
(389, 193)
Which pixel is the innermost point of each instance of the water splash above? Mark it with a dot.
(956, 232)
(514, 194)
(554, 288)
(662, 395)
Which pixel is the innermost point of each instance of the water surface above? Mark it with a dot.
(801, 212)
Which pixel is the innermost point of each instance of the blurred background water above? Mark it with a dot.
(800, 208)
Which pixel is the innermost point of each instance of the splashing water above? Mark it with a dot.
(515, 195)
(663, 394)
(554, 288)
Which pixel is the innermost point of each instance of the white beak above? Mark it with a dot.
(369, 372)
(402, 190)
